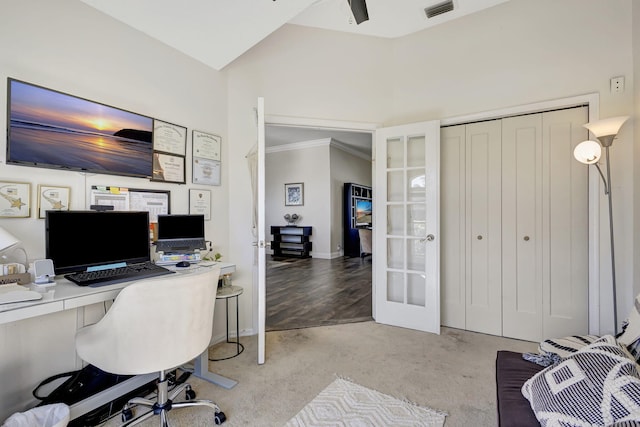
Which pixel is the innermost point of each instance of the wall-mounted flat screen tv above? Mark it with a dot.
(363, 212)
(51, 129)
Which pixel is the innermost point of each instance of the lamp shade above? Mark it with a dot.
(7, 239)
(587, 152)
(606, 127)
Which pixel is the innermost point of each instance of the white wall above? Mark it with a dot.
(307, 163)
(512, 54)
(68, 46)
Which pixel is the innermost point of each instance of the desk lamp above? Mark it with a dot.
(9, 243)
(589, 152)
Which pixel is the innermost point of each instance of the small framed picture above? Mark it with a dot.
(51, 198)
(294, 194)
(15, 200)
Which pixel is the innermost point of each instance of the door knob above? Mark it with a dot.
(479, 236)
(526, 238)
(430, 237)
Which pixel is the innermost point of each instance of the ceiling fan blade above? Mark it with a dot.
(359, 10)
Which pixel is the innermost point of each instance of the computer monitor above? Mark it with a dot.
(77, 240)
(180, 233)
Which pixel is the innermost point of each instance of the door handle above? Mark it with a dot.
(430, 237)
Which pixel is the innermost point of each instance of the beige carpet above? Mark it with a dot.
(453, 372)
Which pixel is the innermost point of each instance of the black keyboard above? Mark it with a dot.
(110, 276)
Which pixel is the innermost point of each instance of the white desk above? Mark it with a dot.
(66, 295)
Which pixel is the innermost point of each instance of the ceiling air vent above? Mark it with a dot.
(439, 9)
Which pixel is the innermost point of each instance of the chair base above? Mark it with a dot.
(165, 403)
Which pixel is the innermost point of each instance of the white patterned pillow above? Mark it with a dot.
(566, 346)
(631, 329)
(599, 385)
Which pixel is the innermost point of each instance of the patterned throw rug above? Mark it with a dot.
(344, 403)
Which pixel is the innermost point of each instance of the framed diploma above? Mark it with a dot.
(169, 138)
(168, 168)
(206, 158)
(206, 145)
(200, 203)
(206, 171)
(52, 198)
(15, 199)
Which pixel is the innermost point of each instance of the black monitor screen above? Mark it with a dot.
(76, 240)
(180, 227)
(180, 233)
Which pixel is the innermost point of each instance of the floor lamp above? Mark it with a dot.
(589, 152)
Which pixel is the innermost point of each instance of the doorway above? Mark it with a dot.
(327, 287)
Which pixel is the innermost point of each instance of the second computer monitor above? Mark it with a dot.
(180, 233)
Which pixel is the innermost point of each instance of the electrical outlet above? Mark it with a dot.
(617, 84)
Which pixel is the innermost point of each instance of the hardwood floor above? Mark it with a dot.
(302, 293)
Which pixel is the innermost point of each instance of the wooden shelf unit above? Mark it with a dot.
(291, 241)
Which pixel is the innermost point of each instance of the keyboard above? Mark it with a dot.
(110, 276)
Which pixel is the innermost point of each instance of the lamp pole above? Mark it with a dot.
(612, 249)
(588, 152)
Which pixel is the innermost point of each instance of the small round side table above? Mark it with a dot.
(226, 293)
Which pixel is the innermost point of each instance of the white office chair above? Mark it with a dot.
(365, 242)
(155, 325)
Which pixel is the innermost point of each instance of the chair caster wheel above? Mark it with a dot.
(220, 418)
(190, 394)
(126, 415)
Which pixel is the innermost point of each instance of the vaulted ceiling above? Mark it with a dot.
(216, 32)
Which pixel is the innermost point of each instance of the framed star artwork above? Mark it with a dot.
(15, 199)
(51, 198)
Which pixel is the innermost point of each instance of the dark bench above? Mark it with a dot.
(512, 371)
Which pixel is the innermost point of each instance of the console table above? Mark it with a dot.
(291, 241)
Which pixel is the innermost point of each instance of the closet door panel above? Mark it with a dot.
(522, 227)
(483, 229)
(452, 226)
(565, 288)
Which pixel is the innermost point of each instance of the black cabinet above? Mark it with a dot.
(291, 241)
(357, 214)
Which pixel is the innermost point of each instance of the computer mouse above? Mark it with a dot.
(183, 264)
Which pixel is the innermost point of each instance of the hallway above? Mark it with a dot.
(302, 293)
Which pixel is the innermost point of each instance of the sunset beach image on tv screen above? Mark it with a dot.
(52, 129)
(363, 212)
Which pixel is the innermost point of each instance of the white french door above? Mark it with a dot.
(262, 241)
(406, 218)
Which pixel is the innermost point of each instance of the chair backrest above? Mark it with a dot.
(365, 240)
(153, 325)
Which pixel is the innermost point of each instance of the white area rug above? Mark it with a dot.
(344, 403)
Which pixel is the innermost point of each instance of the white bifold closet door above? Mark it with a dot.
(545, 226)
(514, 226)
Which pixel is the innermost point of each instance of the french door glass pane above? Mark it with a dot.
(416, 289)
(395, 153)
(416, 185)
(395, 253)
(416, 220)
(395, 220)
(395, 287)
(395, 186)
(416, 151)
(416, 254)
